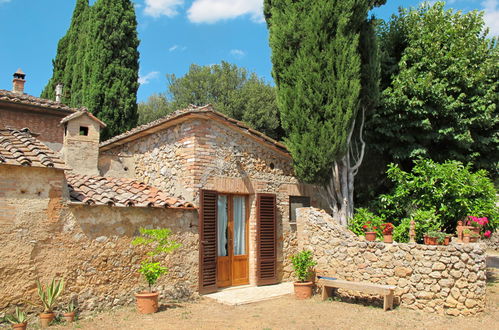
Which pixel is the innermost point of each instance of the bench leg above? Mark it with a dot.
(388, 301)
(327, 292)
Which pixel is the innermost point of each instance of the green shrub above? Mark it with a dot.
(450, 189)
(359, 220)
(424, 220)
(302, 264)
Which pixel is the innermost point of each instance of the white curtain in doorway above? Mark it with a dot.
(239, 225)
(222, 225)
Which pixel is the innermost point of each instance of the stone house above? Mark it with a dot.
(19, 110)
(241, 180)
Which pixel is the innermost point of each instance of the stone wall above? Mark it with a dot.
(43, 237)
(447, 280)
(201, 153)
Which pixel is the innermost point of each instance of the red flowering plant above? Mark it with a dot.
(369, 227)
(477, 222)
(387, 228)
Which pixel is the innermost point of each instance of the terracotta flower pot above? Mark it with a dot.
(20, 326)
(475, 230)
(446, 240)
(466, 238)
(69, 317)
(370, 236)
(147, 302)
(473, 239)
(431, 240)
(388, 238)
(303, 290)
(45, 319)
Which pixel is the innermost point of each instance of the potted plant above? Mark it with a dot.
(18, 319)
(48, 298)
(466, 235)
(69, 316)
(302, 263)
(370, 231)
(476, 223)
(387, 232)
(158, 241)
(474, 237)
(448, 238)
(435, 238)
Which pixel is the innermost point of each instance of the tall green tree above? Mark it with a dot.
(326, 69)
(65, 68)
(440, 90)
(97, 62)
(231, 90)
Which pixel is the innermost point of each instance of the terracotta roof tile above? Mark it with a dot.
(97, 190)
(82, 111)
(19, 147)
(13, 97)
(207, 109)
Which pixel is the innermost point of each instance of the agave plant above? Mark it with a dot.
(18, 317)
(50, 295)
(71, 307)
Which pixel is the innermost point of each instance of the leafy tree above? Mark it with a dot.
(450, 190)
(97, 61)
(440, 94)
(156, 106)
(232, 91)
(326, 69)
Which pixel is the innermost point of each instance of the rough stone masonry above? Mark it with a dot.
(446, 280)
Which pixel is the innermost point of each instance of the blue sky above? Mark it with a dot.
(173, 34)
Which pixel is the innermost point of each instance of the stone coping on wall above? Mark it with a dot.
(447, 280)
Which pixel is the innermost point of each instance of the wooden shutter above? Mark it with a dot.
(208, 241)
(266, 239)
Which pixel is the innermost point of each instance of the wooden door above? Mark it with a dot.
(266, 239)
(232, 251)
(208, 241)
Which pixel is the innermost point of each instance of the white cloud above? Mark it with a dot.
(211, 11)
(144, 80)
(491, 16)
(237, 53)
(177, 48)
(157, 8)
(4, 1)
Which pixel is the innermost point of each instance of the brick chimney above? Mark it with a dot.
(18, 82)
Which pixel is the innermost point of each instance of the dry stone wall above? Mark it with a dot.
(89, 246)
(447, 280)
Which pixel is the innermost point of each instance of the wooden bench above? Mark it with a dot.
(387, 291)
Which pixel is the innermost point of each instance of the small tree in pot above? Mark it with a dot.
(158, 240)
(302, 265)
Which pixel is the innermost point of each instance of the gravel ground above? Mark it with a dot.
(288, 313)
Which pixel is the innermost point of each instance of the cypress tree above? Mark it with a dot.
(97, 61)
(322, 53)
(64, 69)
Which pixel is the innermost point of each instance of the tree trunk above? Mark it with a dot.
(341, 185)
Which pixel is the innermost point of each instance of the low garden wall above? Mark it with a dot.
(447, 280)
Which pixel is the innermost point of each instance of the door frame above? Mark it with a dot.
(230, 226)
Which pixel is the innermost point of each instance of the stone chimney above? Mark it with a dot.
(58, 92)
(18, 82)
